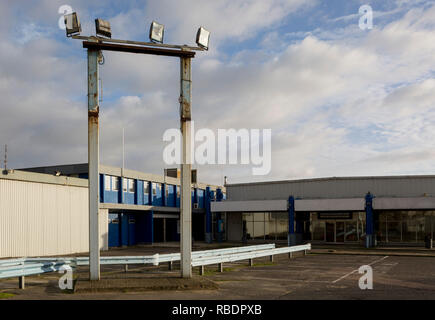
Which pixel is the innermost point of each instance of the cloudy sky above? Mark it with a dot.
(340, 101)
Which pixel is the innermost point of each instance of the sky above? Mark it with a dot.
(340, 101)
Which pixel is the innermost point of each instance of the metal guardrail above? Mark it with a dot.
(27, 269)
(122, 260)
(21, 267)
(247, 255)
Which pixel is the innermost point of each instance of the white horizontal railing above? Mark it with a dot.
(203, 261)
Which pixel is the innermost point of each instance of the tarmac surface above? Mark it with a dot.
(324, 273)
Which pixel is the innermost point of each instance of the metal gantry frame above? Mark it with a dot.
(94, 46)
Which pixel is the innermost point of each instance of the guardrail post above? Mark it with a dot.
(201, 270)
(290, 255)
(271, 258)
(126, 268)
(170, 265)
(21, 282)
(305, 252)
(251, 262)
(221, 267)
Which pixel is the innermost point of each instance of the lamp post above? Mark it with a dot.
(95, 45)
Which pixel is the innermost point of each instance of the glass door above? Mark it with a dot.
(339, 231)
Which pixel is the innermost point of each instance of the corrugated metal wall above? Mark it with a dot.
(39, 219)
(405, 186)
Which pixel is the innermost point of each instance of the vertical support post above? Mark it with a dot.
(21, 282)
(164, 229)
(221, 267)
(93, 162)
(251, 262)
(271, 258)
(369, 221)
(201, 270)
(291, 237)
(126, 268)
(186, 168)
(208, 220)
(170, 265)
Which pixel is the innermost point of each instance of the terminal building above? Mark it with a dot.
(351, 210)
(44, 210)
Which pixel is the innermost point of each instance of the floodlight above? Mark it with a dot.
(103, 28)
(202, 38)
(72, 24)
(156, 32)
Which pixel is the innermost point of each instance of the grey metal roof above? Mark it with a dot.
(335, 187)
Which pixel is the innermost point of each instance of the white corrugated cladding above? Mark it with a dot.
(39, 218)
(330, 188)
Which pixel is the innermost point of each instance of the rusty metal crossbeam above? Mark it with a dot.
(138, 49)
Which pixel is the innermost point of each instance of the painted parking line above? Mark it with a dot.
(356, 270)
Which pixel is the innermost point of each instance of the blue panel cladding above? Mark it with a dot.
(219, 194)
(146, 193)
(102, 188)
(114, 239)
(131, 230)
(144, 227)
(201, 198)
(171, 201)
(129, 196)
(124, 229)
(177, 196)
(157, 194)
(164, 194)
(208, 220)
(138, 197)
(192, 192)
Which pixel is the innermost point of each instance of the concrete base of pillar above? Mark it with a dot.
(208, 237)
(370, 241)
(292, 239)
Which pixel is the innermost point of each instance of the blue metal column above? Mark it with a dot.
(149, 227)
(219, 197)
(208, 234)
(291, 237)
(369, 221)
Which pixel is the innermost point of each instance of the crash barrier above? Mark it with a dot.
(21, 267)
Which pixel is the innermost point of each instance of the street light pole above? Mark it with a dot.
(186, 167)
(93, 163)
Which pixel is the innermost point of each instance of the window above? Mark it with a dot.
(154, 186)
(115, 183)
(131, 185)
(124, 184)
(107, 180)
(146, 187)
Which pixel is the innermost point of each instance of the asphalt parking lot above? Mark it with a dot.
(314, 276)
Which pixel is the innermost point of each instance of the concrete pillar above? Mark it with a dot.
(93, 164)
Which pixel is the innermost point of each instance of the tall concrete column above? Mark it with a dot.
(186, 169)
(93, 162)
